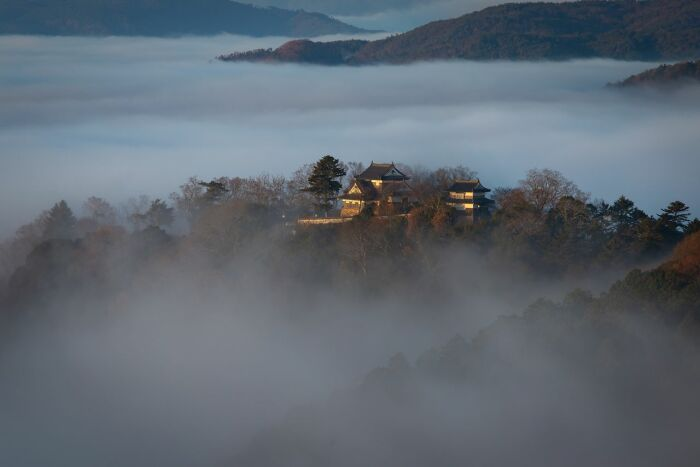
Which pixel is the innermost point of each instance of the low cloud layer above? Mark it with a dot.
(117, 117)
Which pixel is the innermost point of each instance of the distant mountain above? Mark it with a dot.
(623, 29)
(666, 75)
(161, 18)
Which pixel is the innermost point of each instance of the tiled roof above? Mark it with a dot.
(380, 172)
(468, 186)
(367, 191)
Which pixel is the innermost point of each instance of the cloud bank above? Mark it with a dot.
(117, 117)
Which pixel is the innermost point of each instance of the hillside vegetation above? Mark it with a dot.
(666, 75)
(608, 372)
(161, 18)
(624, 30)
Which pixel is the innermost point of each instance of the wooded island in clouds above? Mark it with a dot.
(683, 73)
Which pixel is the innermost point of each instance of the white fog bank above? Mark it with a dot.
(119, 117)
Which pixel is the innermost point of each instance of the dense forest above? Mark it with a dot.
(623, 30)
(161, 18)
(545, 226)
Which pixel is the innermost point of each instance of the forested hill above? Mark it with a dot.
(161, 18)
(607, 372)
(666, 75)
(626, 30)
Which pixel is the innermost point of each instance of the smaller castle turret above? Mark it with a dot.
(468, 198)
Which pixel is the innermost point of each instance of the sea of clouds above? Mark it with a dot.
(119, 117)
(187, 365)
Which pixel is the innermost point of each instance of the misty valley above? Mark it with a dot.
(475, 242)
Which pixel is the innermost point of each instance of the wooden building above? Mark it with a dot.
(468, 198)
(382, 188)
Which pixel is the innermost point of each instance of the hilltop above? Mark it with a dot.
(161, 18)
(666, 75)
(624, 30)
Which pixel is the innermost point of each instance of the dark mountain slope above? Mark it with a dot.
(160, 18)
(629, 30)
(666, 75)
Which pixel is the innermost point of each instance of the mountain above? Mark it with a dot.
(161, 18)
(666, 75)
(622, 29)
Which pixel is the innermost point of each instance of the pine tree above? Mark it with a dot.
(59, 222)
(324, 184)
(676, 216)
(216, 192)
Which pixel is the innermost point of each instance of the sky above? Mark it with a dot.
(385, 15)
(121, 117)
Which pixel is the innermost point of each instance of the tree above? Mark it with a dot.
(323, 182)
(188, 201)
(544, 188)
(676, 216)
(215, 193)
(100, 211)
(231, 228)
(296, 196)
(157, 215)
(445, 176)
(353, 169)
(573, 234)
(692, 226)
(624, 215)
(59, 222)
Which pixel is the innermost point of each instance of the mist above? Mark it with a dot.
(156, 352)
(103, 117)
(184, 359)
(182, 362)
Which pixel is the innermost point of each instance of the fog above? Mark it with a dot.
(104, 117)
(185, 361)
(115, 117)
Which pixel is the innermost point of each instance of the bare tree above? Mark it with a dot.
(544, 188)
(188, 200)
(134, 209)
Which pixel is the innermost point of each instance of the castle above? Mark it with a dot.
(468, 198)
(384, 190)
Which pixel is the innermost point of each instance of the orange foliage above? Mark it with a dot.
(686, 256)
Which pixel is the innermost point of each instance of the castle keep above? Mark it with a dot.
(382, 188)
